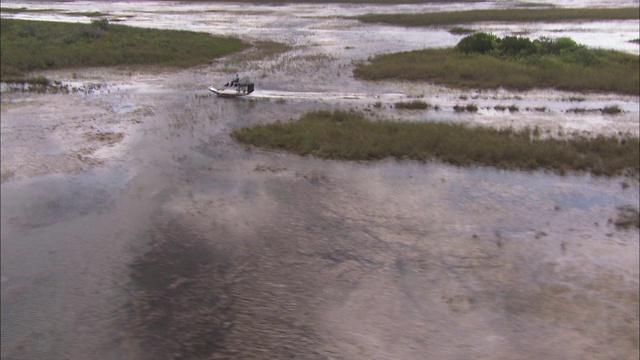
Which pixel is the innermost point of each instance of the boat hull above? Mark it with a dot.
(230, 92)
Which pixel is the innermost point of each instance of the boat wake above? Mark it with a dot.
(326, 96)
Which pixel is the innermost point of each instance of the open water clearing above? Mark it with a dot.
(110, 194)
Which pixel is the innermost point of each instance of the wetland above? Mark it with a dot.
(135, 226)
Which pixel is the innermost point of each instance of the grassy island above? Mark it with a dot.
(348, 135)
(28, 46)
(484, 61)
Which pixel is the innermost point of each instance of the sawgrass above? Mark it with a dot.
(507, 15)
(413, 105)
(29, 46)
(9, 10)
(615, 72)
(348, 135)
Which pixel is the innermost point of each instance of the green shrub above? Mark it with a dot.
(516, 46)
(581, 56)
(100, 23)
(480, 43)
(546, 45)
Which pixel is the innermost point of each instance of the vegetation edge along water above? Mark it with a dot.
(510, 15)
(28, 46)
(349, 135)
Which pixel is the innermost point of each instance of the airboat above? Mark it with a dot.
(234, 88)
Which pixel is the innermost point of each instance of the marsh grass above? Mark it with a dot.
(348, 135)
(266, 50)
(581, 110)
(19, 10)
(510, 15)
(38, 45)
(88, 13)
(533, 4)
(467, 108)
(413, 105)
(614, 72)
(611, 110)
(459, 30)
(627, 217)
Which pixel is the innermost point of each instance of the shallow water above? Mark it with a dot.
(315, 258)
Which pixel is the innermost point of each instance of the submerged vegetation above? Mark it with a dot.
(349, 135)
(485, 61)
(510, 15)
(28, 46)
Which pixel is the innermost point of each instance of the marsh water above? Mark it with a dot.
(300, 257)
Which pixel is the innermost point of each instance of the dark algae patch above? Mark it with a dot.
(348, 135)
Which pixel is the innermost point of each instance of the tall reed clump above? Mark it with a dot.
(484, 61)
(349, 135)
(39, 45)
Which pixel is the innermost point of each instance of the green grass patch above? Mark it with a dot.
(483, 61)
(28, 46)
(506, 15)
(348, 135)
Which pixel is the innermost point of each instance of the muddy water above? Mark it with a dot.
(298, 257)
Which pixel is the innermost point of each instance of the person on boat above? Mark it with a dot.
(235, 81)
